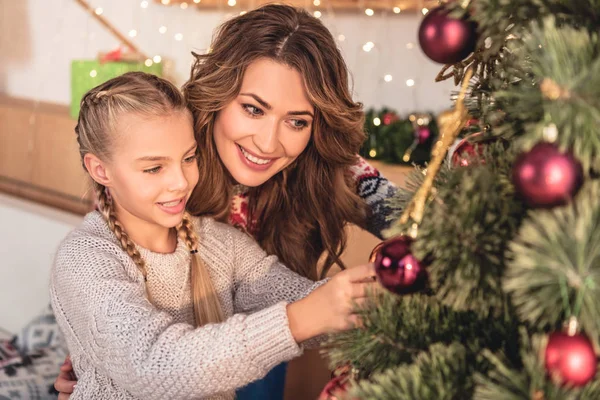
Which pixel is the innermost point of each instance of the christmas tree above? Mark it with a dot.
(492, 266)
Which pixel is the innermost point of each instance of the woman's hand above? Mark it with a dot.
(66, 380)
(330, 308)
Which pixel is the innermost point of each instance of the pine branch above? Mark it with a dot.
(465, 232)
(562, 88)
(441, 373)
(530, 382)
(556, 259)
(396, 329)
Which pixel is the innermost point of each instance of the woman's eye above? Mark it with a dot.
(299, 124)
(252, 110)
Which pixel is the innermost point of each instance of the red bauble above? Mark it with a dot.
(570, 359)
(335, 388)
(545, 177)
(389, 118)
(397, 269)
(467, 152)
(422, 134)
(444, 39)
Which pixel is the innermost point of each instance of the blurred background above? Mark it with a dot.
(51, 52)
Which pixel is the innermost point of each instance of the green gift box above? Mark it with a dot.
(86, 74)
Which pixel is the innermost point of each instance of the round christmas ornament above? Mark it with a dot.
(397, 269)
(337, 387)
(390, 118)
(422, 134)
(467, 151)
(570, 359)
(545, 177)
(444, 39)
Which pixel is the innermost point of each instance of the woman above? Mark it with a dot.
(279, 135)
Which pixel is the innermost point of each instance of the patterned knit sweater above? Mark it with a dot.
(124, 347)
(371, 186)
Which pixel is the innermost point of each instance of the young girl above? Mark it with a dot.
(155, 303)
(279, 134)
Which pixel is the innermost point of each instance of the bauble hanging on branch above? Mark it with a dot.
(546, 177)
(447, 40)
(569, 357)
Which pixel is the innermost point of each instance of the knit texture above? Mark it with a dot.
(371, 186)
(124, 347)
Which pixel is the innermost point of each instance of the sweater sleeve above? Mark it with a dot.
(102, 309)
(261, 280)
(375, 190)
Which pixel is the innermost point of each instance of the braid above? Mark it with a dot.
(107, 210)
(207, 307)
(187, 234)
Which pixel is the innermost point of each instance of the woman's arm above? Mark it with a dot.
(375, 190)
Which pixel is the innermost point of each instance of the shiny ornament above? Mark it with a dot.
(397, 269)
(422, 134)
(335, 389)
(545, 177)
(390, 118)
(467, 151)
(444, 39)
(570, 359)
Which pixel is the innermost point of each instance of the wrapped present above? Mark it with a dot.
(86, 74)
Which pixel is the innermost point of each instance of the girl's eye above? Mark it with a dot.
(252, 110)
(299, 124)
(190, 159)
(152, 170)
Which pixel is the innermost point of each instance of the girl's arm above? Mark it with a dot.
(261, 280)
(109, 323)
(375, 190)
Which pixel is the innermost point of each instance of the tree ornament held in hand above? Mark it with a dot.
(570, 359)
(545, 177)
(446, 40)
(397, 269)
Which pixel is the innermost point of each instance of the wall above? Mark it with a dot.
(39, 38)
(29, 236)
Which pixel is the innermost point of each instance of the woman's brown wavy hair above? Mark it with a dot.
(301, 212)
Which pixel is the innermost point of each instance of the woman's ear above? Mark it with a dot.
(97, 169)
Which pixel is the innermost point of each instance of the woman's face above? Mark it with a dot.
(267, 126)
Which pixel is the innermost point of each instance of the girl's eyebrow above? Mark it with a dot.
(162, 158)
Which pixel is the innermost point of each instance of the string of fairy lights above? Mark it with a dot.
(322, 5)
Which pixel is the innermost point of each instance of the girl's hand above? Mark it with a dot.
(66, 380)
(330, 308)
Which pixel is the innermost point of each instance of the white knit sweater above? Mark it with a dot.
(124, 347)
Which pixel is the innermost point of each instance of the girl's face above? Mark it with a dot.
(267, 126)
(153, 170)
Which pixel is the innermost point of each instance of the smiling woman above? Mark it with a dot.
(265, 128)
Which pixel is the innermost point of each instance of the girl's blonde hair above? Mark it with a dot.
(147, 95)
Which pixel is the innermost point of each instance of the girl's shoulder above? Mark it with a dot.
(89, 247)
(208, 228)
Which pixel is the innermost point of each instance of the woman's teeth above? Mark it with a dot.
(255, 160)
(171, 203)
